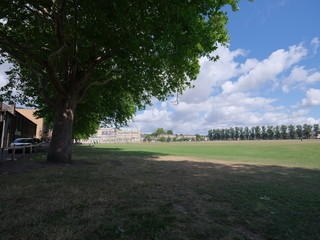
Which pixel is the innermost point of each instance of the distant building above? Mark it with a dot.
(174, 137)
(186, 136)
(112, 135)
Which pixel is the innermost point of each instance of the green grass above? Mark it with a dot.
(289, 152)
(143, 191)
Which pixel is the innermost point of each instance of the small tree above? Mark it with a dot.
(232, 133)
(252, 133)
(222, 134)
(148, 138)
(264, 134)
(241, 133)
(307, 130)
(316, 129)
(258, 132)
(284, 131)
(292, 131)
(277, 133)
(210, 134)
(246, 133)
(198, 137)
(159, 131)
(237, 133)
(299, 131)
(170, 132)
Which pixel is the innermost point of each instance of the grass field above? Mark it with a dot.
(254, 190)
(294, 153)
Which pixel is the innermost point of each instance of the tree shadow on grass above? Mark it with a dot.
(147, 195)
(226, 200)
(272, 201)
(111, 152)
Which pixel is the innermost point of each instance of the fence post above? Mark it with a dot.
(13, 152)
(30, 149)
(23, 151)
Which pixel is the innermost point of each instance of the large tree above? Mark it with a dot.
(63, 50)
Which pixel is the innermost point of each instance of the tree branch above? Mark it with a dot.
(59, 21)
(38, 73)
(52, 71)
(97, 83)
(13, 44)
(23, 62)
(99, 60)
(43, 92)
(38, 9)
(80, 81)
(58, 52)
(43, 10)
(88, 86)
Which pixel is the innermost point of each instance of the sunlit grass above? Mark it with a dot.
(294, 153)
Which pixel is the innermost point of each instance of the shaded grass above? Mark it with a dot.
(119, 194)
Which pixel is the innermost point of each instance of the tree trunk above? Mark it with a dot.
(60, 149)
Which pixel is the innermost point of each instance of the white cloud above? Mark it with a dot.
(266, 70)
(3, 80)
(3, 77)
(205, 107)
(300, 75)
(312, 98)
(315, 42)
(213, 74)
(300, 113)
(313, 78)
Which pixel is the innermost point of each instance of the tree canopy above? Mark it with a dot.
(83, 61)
(159, 131)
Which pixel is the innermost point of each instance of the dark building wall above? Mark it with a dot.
(17, 125)
(8, 131)
(24, 128)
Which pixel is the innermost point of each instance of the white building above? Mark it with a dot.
(112, 135)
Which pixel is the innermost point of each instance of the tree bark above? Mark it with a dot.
(60, 149)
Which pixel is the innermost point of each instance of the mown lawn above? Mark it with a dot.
(156, 191)
(278, 152)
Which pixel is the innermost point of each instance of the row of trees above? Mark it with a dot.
(197, 137)
(168, 136)
(269, 132)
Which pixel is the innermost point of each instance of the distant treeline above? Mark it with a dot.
(263, 132)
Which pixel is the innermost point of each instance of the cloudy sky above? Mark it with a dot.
(269, 75)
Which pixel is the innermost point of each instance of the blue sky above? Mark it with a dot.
(269, 75)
